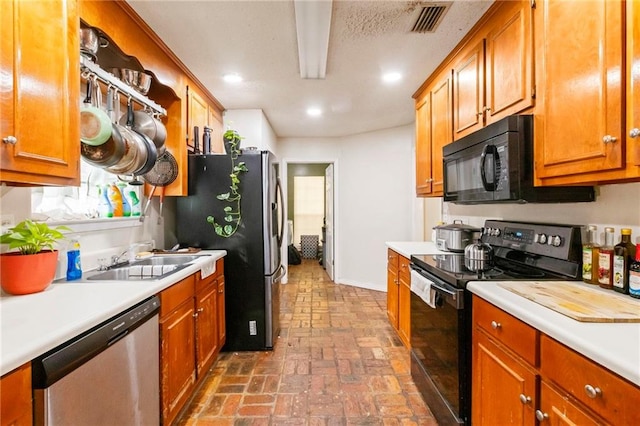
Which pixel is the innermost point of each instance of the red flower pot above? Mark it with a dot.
(27, 273)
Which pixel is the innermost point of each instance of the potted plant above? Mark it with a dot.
(32, 267)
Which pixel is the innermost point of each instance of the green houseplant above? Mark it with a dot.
(32, 267)
(233, 211)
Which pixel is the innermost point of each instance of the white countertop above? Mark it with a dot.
(32, 324)
(407, 248)
(616, 346)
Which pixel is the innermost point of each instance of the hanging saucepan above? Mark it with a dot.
(145, 123)
(135, 151)
(110, 152)
(147, 155)
(95, 125)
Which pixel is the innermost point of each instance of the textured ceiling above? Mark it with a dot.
(257, 39)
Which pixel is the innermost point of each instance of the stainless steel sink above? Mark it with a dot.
(152, 269)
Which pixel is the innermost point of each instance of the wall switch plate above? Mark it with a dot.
(253, 329)
(7, 221)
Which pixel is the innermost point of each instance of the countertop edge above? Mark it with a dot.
(120, 295)
(408, 248)
(601, 342)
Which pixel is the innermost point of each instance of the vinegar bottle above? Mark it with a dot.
(623, 255)
(634, 275)
(605, 260)
(590, 256)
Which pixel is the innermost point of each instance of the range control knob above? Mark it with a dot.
(496, 232)
(541, 238)
(555, 241)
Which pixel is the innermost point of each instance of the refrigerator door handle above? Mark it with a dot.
(280, 272)
(280, 203)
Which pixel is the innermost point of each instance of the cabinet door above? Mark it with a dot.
(578, 126)
(423, 145)
(177, 359)
(557, 409)
(468, 91)
(198, 116)
(503, 388)
(393, 294)
(222, 323)
(633, 83)
(215, 123)
(404, 302)
(40, 92)
(206, 327)
(15, 398)
(509, 61)
(441, 129)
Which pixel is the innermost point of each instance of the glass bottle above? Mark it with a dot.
(590, 255)
(623, 255)
(634, 275)
(605, 259)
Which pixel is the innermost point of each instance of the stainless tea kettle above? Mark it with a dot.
(478, 257)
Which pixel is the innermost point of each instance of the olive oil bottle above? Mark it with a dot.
(605, 260)
(590, 250)
(624, 254)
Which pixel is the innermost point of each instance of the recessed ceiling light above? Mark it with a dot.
(314, 112)
(391, 77)
(232, 78)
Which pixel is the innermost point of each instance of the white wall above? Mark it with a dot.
(374, 189)
(253, 125)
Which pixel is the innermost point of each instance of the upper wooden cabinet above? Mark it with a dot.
(579, 122)
(39, 93)
(202, 114)
(433, 131)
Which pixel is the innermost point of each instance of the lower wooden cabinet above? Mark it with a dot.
(191, 336)
(560, 387)
(399, 294)
(16, 402)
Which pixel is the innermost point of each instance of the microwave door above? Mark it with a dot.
(468, 175)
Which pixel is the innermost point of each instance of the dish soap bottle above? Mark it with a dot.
(634, 275)
(115, 197)
(104, 205)
(623, 255)
(126, 207)
(590, 255)
(135, 204)
(605, 260)
(74, 269)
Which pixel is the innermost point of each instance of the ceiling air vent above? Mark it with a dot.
(430, 17)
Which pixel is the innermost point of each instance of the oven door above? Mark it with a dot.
(440, 348)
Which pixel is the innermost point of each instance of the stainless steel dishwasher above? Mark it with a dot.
(108, 375)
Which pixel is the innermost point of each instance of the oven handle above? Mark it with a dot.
(456, 295)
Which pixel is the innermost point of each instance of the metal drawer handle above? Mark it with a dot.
(634, 133)
(11, 140)
(541, 416)
(200, 310)
(495, 325)
(592, 392)
(609, 139)
(525, 399)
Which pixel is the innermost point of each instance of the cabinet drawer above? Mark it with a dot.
(15, 401)
(508, 330)
(612, 397)
(175, 295)
(392, 259)
(403, 270)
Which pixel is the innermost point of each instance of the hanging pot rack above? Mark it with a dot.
(90, 69)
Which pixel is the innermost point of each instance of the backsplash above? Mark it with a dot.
(617, 206)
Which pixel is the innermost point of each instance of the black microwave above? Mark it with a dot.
(495, 165)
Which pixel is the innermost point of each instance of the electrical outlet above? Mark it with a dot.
(253, 329)
(7, 221)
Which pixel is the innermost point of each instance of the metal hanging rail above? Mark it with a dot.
(90, 67)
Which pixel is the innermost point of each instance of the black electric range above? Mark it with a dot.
(441, 327)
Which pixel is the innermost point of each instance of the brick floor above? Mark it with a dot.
(337, 362)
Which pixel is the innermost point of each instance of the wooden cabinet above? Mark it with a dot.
(399, 294)
(520, 375)
(504, 357)
(202, 114)
(579, 122)
(493, 74)
(39, 94)
(191, 336)
(433, 131)
(632, 133)
(404, 302)
(589, 384)
(16, 403)
(393, 287)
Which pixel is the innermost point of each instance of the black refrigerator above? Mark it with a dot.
(252, 266)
